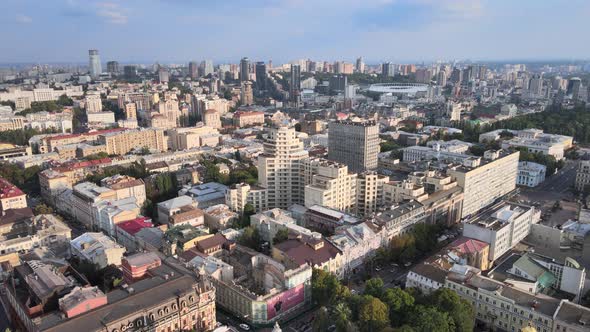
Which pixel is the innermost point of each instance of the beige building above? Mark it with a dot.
(240, 194)
(93, 103)
(193, 137)
(246, 93)
(130, 111)
(582, 175)
(355, 144)
(330, 185)
(245, 119)
(123, 142)
(369, 192)
(125, 187)
(492, 179)
(11, 197)
(212, 119)
(280, 168)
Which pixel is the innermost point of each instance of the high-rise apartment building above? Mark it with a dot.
(360, 65)
(387, 69)
(295, 84)
(130, 72)
(94, 63)
(163, 75)
(280, 167)
(330, 185)
(261, 75)
(441, 78)
(246, 93)
(355, 144)
(112, 67)
(193, 69)
(244, 69)
(207, 67)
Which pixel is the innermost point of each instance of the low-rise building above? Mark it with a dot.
(325, 220)
(240, 194)
(270, 222)
(188, 215)
(173, 206)
(530, 174)
(98, 249)
(11, 197)
(534, 140)
(316, 252)
(502, 225)
(245, 119)
(125, 232)
(28, 231)
(125, 187)
(206, 194)
(219, 216)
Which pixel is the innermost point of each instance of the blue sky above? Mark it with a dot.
(225, 30)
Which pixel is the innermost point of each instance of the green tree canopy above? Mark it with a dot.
(373, 314)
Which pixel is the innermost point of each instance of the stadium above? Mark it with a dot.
(399, 89)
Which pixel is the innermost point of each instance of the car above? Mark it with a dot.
(408, 264)
(245, 327)
(394, 264)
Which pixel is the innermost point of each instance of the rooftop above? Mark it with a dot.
(8, 190)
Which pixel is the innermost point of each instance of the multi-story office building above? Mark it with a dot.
(330, 185)
(244, 69)
(534, 140)
(123, 142)
(502, 226)
(261, 75)
(245, 119)
(94, 64)
(113, 67)
(493, 178)
(280, 167)
(355, 144)
(246, 93)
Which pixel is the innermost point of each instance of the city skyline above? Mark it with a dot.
(64, 31)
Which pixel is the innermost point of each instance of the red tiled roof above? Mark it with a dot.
(302, 253)
(467, 245)
(8, 190)
(135, 225)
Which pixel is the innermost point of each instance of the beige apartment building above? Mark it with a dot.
(212, 119)
(280, 168)
(193, 137)
(369, 192)
(483, 184)
(245, 119)
(93, 103)
(120, 143)
(331, 185)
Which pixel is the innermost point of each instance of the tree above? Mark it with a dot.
(326, 289)
(430, 319)
(342, 315)
(64, 100)
(250, 238)
(459, 310)
(373, 314)
(42, 209)
(321, 321)
(400, 303)
(246, 214)
(281, 236)
(374, 287)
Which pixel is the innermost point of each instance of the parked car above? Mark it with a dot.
(245, 327)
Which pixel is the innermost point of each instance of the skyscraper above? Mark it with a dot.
(244, 69)
(94, 63)
(193, 69)
(295, 85)
(130, 72)
(280, 168)
(261, 75)
(207, 67)
(387, 70)
(355, 144)
(456, 75)
(360, 65)
(442, 78)
(163, 75)
(112, 67)
(573, 87)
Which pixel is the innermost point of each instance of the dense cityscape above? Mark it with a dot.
(303, 195)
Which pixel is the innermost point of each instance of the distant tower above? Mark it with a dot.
(442, 78)
(387, 70)
(360, 65)
(295, 82)
(244, 69)
(94, 63)
(193, 69)
(261, 75)
(112, 67)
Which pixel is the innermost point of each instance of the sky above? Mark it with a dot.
(176, 31)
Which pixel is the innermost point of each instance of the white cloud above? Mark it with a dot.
(24, 19)
(111, 12)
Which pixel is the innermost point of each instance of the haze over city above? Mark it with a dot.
(381, 30)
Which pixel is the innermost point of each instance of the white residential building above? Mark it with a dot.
(330, 185)
(98, 249)
(530, 174)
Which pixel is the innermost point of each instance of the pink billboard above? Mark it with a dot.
(285, 301)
